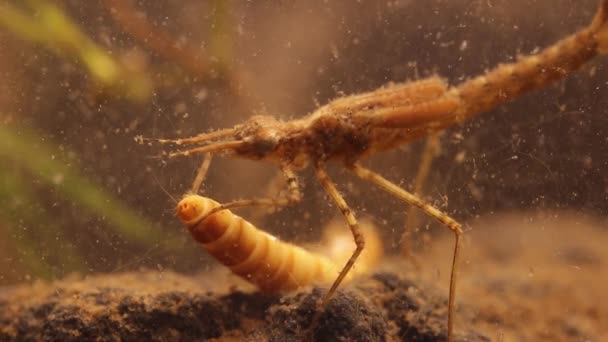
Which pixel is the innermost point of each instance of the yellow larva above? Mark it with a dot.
(262, 259)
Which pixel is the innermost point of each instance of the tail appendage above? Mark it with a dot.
(600, 27)
(508, 81)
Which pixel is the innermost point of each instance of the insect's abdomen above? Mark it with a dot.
(508, 81)
(267, 262)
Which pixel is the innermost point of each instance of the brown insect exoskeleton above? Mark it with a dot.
(260, 258)
(350, 128)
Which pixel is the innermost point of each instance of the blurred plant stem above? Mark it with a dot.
(34, 235)
(48, 25)
(137, 25)
(44, 162)
(216, 64)
(220, 45)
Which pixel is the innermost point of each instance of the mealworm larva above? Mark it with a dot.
(260, 258)
(353, 127)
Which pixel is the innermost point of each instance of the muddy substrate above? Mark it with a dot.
(168, 306)
(524, 277)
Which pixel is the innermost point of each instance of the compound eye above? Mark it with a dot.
(259, 146)
(267, 144)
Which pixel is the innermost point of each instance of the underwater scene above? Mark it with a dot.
(407, 170)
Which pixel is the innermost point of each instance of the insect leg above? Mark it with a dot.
(275, 187)
(214, 147)
(201, 173)
(428, 209)
(431, 149)
(331, 190)
(294, 195)
(198, 138)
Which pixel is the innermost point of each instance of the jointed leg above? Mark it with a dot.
(201, 173)
(274, 188)
(294, 195)
(198, 138)
(213, 147)
(431, 149)
(449, 222)
(331, 190)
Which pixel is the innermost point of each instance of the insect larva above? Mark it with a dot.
(260, 258)
(351, 128)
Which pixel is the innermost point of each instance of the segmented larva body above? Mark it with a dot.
(258, 257)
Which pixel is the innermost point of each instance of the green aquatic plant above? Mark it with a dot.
(220, 37)
(29, 228)
(43, 161)
(45, 23)
(27, 156)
